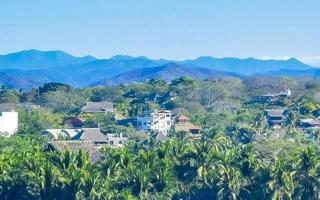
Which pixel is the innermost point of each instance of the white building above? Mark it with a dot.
(8, 123)
(159, 120)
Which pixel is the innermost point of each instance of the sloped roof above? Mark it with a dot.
(275, 113)
(183, 118)
(162, 111)
(89, 147)
(91, 134)
(55, 133)
(194, 127)
(73, 121)
(97, 107)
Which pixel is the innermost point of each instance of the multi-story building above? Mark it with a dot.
(8, 123)
(159, 120)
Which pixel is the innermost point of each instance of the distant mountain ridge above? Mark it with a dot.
(45, 66)
(247, 66)
(167, 72)
(35, 59)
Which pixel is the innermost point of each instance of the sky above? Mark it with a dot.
(172, 29)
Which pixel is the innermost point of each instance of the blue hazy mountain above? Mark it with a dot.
(45, 66)
(167, 72)
(247, 66)
(24, 83)
(314, 72)
(35, 59)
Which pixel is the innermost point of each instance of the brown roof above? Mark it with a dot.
(183, 118)
(91, 134)
(89, 147)
(92, 107)
(73, 121)
(194, 127)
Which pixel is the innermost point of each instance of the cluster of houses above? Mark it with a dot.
(161, 121)
(277, 115)
(77, 135)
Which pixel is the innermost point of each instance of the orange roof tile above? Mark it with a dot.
(183, 118)
(194, 127)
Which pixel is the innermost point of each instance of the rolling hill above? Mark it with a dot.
(167, 72)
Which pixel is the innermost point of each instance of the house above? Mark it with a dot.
(308, 123)
(276, 118)
(158, 120)
(8, 123)
(182, 123)
(272, 97)
(55, 134)
(92, 135)
(98, 107)
(73, 122)
(94, 154)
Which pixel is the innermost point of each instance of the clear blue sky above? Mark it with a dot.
(165, 28)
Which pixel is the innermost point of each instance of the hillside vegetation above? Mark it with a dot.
(237, 155)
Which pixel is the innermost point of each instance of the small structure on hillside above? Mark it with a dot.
(158, 120)
(182, 123)
(275, 118)
(61, 146)
(272, 97)
(98, 107)
(73, 122)
(308, 123)
(92, 135)
(8, 123)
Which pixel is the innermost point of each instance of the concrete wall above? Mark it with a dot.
(8, 123)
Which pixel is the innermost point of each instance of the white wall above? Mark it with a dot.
(158, 121)
(8, 123)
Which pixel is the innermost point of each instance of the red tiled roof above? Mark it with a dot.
(183, 118)
(194, 127)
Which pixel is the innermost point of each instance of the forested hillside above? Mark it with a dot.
(237, 154)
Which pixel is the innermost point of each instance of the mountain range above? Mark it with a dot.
(31, 68)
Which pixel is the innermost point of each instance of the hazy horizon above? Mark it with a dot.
(167, 29)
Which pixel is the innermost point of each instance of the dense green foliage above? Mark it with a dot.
(213, 167)
(236, 157)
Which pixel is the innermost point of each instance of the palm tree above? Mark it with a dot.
(307, 176)
(230, 183)
(281, 185)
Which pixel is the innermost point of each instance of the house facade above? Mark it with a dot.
(273, 97)
(159, 120)
(8, 123)
(91, 135)
(276, 118)
(182, 123)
